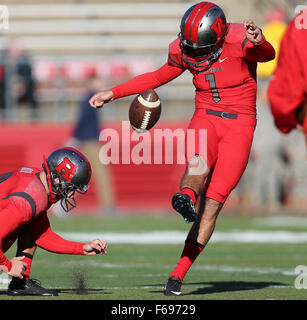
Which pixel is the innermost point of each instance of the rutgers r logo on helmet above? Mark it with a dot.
(202, 32)
(218, 26)
(68, 171)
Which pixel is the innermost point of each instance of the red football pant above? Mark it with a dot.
(227, 148)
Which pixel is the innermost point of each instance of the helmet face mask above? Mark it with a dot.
(192, 49)
(199, 52)
(202, 32)
(68, 171)
(65, 191)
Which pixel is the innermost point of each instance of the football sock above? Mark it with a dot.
(28, 260)
(190, 252)
(191, 193)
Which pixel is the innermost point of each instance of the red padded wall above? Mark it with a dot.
(141, 187)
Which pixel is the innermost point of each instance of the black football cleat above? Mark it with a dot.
(184, 205)
(29, 287)
(173, 287)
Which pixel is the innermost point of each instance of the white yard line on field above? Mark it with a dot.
(178, 237)
(287, 221)
(204, 267)
(237, 269)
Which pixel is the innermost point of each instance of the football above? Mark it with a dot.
(145, 111)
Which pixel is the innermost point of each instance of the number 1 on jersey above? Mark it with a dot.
(212, 86)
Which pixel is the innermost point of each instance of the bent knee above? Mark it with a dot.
(197, 165)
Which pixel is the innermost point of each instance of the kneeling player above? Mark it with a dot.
(26, 194)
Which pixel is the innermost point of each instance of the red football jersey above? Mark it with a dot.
(288, 87)
(23, 199)
(23, 189)
(230, 83)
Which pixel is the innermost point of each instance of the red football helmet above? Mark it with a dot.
(68, 171)
(202, 32)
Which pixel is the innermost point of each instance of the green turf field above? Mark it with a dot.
(230, 267)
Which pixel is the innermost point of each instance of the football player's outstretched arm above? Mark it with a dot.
(99, 99)
(95, 247)
(146, 81)
(258, 49)
(50, 241)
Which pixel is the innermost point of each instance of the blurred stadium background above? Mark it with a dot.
(52, 50)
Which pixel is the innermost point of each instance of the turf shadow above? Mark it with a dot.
(86, 291)
(225, 286)
(230, 286)
(71, 291)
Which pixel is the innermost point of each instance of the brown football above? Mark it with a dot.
(145, 111)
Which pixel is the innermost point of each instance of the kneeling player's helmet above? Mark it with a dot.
(202, 32)
(68, 171)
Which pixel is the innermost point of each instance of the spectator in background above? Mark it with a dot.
(17, 85)
(287, 94)
(86, 136)
(287, 89)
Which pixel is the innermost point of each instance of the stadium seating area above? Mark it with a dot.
(69, 40)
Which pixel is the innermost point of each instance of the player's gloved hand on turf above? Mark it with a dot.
(253, 33)
(100, 98)
(18, 267)
(95, 247)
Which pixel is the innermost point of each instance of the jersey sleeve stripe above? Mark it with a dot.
(27, 197)
(174, 62)
(5, 176)
(244, 44)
